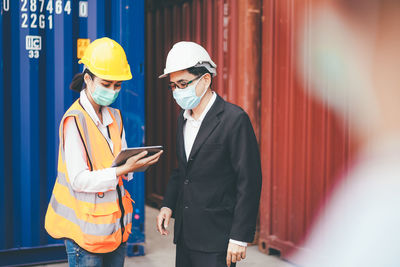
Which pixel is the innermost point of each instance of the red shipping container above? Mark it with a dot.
(304, 147)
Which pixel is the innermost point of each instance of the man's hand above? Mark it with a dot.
(235, 253)
(163, 220)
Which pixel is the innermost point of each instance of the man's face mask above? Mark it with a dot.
(187, 98)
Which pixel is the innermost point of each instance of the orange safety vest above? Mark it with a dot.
(92, 220)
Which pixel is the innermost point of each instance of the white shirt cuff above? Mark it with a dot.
(95, 181)
(129, 176)
(242, 244)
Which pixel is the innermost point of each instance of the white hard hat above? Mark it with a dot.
(184, 55)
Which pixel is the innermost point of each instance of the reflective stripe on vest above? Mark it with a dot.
(92, 220)
(88, 197)
(88, 227)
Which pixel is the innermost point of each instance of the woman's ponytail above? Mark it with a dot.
(77, 84)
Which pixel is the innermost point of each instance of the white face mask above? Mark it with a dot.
(187, 98)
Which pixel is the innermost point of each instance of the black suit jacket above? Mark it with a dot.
(215, 194)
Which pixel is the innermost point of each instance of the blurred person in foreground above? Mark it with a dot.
(355, 49)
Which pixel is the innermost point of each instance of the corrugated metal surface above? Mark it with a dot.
(230, 31)
(304, 147)
(38, 59)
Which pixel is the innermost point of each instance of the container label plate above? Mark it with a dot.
(81, 46)
(33, 43)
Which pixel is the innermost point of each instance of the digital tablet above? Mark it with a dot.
(126, 153)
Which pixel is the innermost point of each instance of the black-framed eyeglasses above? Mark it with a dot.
(182, 84)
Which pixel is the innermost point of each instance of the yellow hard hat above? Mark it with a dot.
(106, 59)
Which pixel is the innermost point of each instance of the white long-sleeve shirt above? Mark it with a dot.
(191, 129)
(81, 178)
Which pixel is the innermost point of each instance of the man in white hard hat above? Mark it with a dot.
(215, 191)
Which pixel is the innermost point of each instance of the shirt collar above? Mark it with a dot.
(187, 114)
(107, 120)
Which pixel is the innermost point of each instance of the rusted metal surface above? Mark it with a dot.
(230, 31)
(304, 147)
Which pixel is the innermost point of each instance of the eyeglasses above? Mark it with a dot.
(182, 84)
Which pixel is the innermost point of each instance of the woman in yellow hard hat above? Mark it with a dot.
(89, 207)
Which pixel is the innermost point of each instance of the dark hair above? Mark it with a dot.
(199, 71)
(78, 83)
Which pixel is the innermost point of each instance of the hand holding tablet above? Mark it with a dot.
(136, 159)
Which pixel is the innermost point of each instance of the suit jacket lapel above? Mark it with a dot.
(180, 140)
(208, 125)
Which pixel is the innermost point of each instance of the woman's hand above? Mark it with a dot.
(138, 161)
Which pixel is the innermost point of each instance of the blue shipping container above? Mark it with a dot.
(39, 44)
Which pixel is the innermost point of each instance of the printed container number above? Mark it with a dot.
(49, 8)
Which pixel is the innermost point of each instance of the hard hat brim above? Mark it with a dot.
(115, 78)
(124, 77)
(166, 73)
(163, 75)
